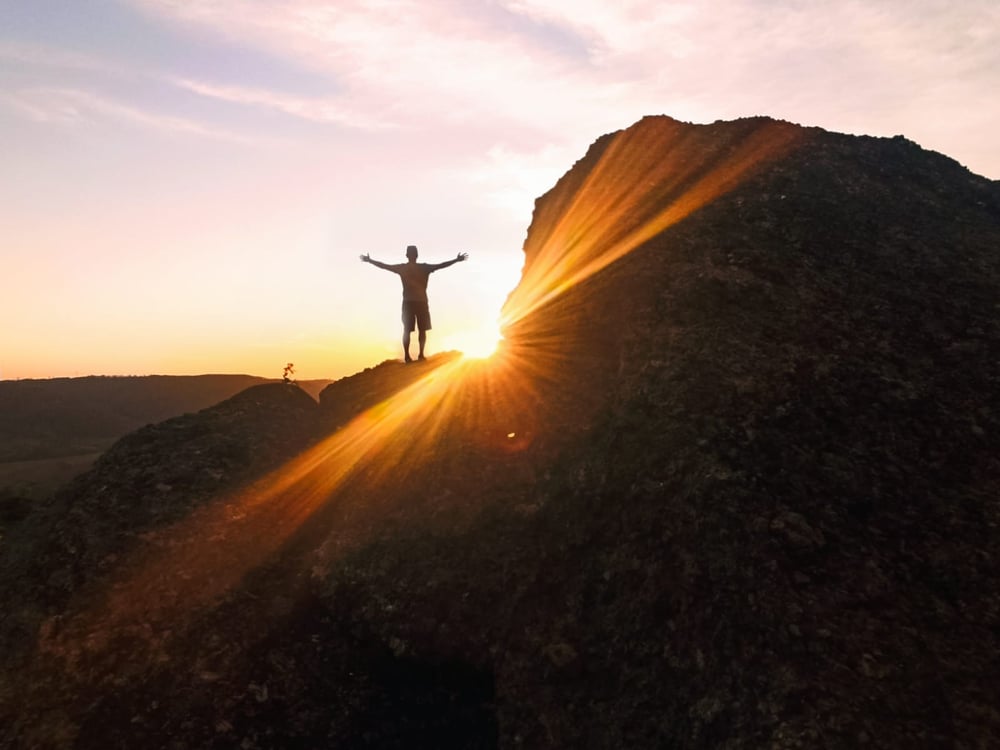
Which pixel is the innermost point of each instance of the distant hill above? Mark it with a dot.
(41, 419)
(731, 481)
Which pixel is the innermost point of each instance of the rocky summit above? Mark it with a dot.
(732, 481)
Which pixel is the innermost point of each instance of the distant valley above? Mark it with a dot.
(51, 430)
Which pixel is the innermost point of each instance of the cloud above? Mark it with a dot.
(48, 103)
(527, 73)
(412, 62)
(560, 61)
(313, 109)
(73, 106)
(50, 57)
(545, 71)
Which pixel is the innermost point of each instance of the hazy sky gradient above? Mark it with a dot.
(187, 185)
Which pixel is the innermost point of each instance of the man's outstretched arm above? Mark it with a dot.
(457, 259)
(366, 258)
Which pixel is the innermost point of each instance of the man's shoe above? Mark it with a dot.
(421, 357)
(408, 359)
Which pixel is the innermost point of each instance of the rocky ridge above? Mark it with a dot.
(730, 483)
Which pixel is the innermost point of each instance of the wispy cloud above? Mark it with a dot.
(412, 61)
(314, 109)
(51, 57)
(59, 103)
(556, 62)
(540, 70)
(72, 106)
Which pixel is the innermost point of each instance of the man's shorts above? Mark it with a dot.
(416, 313)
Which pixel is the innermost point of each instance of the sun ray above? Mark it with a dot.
(648, 178)
(180, 569)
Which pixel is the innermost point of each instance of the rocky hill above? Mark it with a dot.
(41, 419)
(52, 430)
(731, 482)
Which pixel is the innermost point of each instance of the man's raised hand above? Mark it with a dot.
(462, 256)
(366, 258)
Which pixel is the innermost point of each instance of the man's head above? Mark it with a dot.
(411, 252)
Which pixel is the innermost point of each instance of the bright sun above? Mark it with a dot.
(476, 343)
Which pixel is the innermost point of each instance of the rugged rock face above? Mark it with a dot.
(732, 482)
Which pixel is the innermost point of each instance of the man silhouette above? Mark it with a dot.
(414, 277)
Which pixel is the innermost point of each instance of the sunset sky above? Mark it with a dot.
(186, 185)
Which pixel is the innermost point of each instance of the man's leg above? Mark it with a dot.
(423, 316)
(408, 322)
(406, 346)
